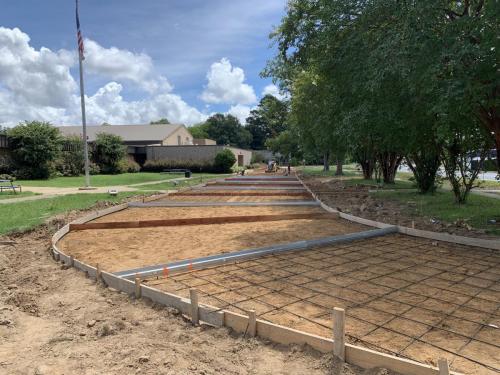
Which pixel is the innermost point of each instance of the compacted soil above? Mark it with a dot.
(55, 321)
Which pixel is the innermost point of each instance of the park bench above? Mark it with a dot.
(9, 185)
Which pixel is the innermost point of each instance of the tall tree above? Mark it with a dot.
(268, 120)
(227, 130)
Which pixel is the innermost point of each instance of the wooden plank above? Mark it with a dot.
(252, 323)
(244, 194)
(199, 221)
(444, 367)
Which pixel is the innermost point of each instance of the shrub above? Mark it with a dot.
(127, 165)
(5, 176)
(6, 163)
(224, 161)
(71, 161)
(108, 152)
(35, 147)
(94, 168)
(161, 165)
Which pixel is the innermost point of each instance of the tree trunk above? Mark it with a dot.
(424, 164)
(326, 161)
(389, 164)
(339, 171)
(367, 166)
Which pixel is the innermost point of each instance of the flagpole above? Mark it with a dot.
(84, 125)
(84, 120)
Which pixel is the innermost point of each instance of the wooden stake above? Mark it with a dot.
(339, 333)
(252, 323)
(412, 224)
(71, 261)
(444, 368)
(97, 273)
(193, 295)
(137, 288)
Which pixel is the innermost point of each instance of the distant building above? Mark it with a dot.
(137, 135)
(204, 142)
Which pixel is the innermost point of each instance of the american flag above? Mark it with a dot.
(79, 34)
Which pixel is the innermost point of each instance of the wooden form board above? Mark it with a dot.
(197, 221)
(253, 184)
(243, 193)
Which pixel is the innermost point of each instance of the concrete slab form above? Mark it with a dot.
(253, 187)
(197, 221)
(209, 261)
(477, 353)
(209, 204)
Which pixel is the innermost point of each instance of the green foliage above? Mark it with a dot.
(127, 165)
(161, 165)
(227, 130)
(391, 79)
(35, 146)
(268, 120)
(71, 160)
(224, 161)
(162, 121)
(199, 131)
(107, 153)
(287, 143)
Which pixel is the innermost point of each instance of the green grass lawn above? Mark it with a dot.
(26, 215)
(101, 180)
(197, 179)
(11, 195)
(476, 212)
(489, 185)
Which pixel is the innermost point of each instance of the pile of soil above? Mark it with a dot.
(357, 200)
(55, 321)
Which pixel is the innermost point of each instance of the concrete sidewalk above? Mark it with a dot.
(52, 192)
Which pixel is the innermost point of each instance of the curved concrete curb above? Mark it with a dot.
(445, 237)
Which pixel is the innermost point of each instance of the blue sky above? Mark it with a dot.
(172, 41)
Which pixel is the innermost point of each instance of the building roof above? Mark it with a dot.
(129, 133)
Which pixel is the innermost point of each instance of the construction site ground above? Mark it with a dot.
(411, 297)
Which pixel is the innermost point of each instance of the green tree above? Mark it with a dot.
(35, 147)
(107, 152)
(199, 131)
(227, 130)
(71, 161)
(162, 121)
(224, 161)
(268, 120)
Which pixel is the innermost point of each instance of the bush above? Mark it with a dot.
(224, 161)
(193, 166)
(35, 147)
(108, 152)
(71, 161)
(94, 169)
(6, 163)
(5, 176)
(127, 165)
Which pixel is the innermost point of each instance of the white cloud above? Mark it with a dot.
(38, 85)
(42, 76)
(226, 85)
(274, 91)
(119, 64)
(240, 111)
(107, 105)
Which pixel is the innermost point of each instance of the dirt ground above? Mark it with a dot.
(404, 296)
(122, 249)
(54, 321)
(357, 200)
(158, 213)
